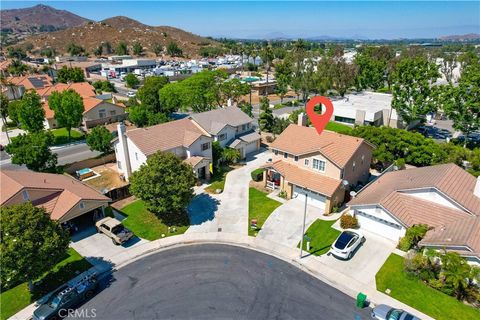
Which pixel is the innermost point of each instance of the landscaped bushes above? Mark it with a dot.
(412, 237)
(446, 272)
(257, 175)
(348, 222)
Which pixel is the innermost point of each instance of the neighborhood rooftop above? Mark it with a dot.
(213, 121)
(166, 136)
(300, 140)
(62, 192)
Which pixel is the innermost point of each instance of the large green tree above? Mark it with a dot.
(30, 112)
(149, 95)
(372, 65)
(74, 74)
(68, 109)
(462, 103)
(232, 90)
(33, 150)
(412, 87)
(266, 119)
(131, 80)
(99, 139)
(4, 112)
(165, 183)
(174, 50)
(31, 243)
(122, 48)
(137, 48)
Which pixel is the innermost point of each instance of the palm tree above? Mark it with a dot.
(455, 273)
(267, 57)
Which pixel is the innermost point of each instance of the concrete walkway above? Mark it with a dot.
(228, 211)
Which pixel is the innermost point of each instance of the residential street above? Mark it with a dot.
(219, 282)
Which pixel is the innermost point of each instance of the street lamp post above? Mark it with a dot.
(303, 226)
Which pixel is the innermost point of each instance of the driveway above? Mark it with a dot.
(228, 211)
(366, 262)
(285, 223)
(96, 247)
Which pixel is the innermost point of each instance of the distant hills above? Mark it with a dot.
(464, 37)
(39, 18)
(56, 29)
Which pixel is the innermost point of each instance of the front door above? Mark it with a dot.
(201, 173)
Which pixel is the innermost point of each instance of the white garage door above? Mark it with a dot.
(314, 199)
(379, 226)
(251, 147)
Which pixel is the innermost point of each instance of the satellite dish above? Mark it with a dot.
(353, 194)
(345, 183)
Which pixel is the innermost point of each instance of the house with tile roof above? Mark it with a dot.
(321, 168)
(184, 137)
(231, 127)
(97, 111)
(63, 197)
(445, 197)
(15, 87)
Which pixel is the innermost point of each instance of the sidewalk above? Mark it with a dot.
(310, 264)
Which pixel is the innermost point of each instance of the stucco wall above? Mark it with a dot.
(93, 114)
(362, 159)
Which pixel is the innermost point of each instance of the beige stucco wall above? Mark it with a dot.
(33, 194)
(94, 115)
(76, 211)
(331, 170)
(362, 166)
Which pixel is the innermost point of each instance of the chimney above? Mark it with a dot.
(122, 153)
(476, 190)
(302, 119)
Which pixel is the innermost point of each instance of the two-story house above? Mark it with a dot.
(323, 166)
(184, 138)
(231, 127)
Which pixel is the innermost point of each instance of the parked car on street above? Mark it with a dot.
(384, 312)
(130, 94)
(346, 243)
(67, 297)
(114, 229)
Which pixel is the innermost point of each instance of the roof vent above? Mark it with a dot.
(44, 180)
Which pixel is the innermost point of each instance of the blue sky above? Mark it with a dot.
(371, 19)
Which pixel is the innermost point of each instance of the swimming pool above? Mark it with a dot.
(251, 79)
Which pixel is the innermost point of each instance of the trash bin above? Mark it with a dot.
(361, 300)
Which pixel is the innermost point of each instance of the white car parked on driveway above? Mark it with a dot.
(346, 243)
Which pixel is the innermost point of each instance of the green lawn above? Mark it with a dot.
(17, 298)
(61, 136)
(259, 207)
(322, 236)
(416, 294)
(148, 226)
(218, 179)
(338, 127)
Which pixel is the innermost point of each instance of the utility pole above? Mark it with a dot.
(303, 226)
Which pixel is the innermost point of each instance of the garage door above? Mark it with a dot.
(379, 226)
(314, 199)
(251, 147)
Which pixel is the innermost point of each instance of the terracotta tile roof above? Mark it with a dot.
(463, 232)
(5, 64)
(32, 81)
(66, 192)
(193, 161)
(166, 136)
(88, 104)
(84, 89)
(413, 210)
(215, 120)
(449, 179)
(336, 147)
(305, 178)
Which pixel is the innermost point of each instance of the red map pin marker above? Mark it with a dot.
(319, 121)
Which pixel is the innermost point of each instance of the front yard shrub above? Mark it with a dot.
(348, 222)
(412, 237)
(257, 174)
(269, 139)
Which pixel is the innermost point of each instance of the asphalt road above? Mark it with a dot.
(219, 282)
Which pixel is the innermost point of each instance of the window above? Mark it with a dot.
(82, 205)
(25, 195)
(222, 137)
(248, 125)
(113, 112)
(307, 162)
(205, 146)
(296, 158)
(285, 155)
(244, 126)
(102, 113)
(136, 156)
(344, 120)
(275, 152)
(319, 164)
(119, 165)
